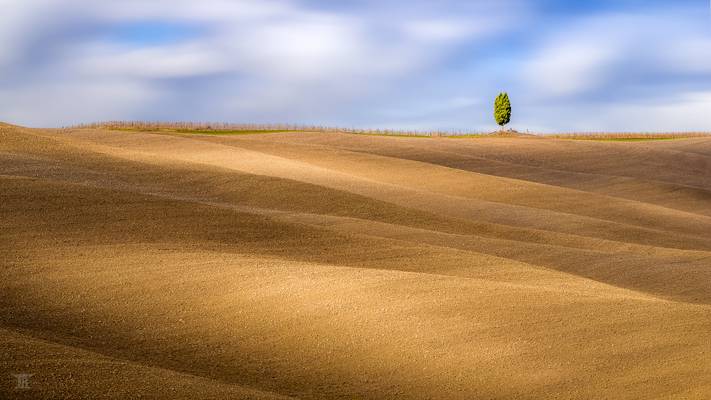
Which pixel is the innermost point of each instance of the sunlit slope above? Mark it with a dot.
(673, 173)
(329, 266)
(553, 226)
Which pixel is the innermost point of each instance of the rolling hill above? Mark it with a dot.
(325, 265)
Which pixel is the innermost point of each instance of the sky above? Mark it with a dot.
(583, 66)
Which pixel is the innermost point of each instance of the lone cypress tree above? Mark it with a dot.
(502, 109)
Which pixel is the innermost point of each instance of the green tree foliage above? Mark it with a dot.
(502, 109)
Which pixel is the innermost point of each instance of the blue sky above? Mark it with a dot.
(606, 65)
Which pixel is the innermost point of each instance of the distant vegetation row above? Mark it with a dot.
(198, 126)
(220, 127)
(628, 136)
(232, 128)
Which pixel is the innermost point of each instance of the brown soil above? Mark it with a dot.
(327, 265)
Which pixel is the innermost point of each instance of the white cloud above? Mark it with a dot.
(419, 64)
(190, 10)
(685, 112)
(646, 71)
(287, 59)
(308, 48)
(447, 29)
(568, 68)
(581, 58)
(691, 54)
(71, 102)
(164, 62)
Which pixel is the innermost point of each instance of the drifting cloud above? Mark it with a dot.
(579, 61)
(623, 71)
(377, 64)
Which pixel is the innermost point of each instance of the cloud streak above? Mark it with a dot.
(370, 64)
